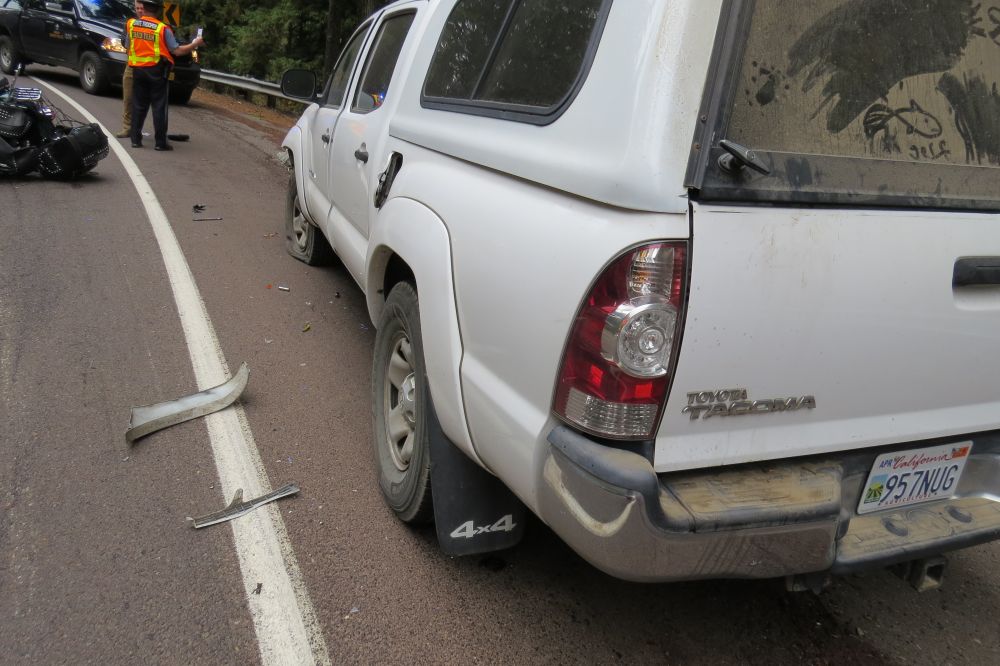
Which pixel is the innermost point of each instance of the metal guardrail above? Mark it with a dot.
(272, 90)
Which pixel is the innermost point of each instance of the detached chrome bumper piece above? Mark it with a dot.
(754, 521)
(149, 419)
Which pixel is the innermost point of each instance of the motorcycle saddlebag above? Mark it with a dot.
(14, 121)
(74, 153)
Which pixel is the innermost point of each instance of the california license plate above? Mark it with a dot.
(910, 477)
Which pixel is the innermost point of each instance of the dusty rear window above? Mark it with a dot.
(881, 81)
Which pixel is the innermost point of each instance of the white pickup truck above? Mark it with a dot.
(711, 287)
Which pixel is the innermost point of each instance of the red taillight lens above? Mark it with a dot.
(616, 369)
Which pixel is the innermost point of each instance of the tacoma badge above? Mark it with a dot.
(734, 402)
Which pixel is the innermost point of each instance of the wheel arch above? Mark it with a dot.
(409, 242)
(292, 143)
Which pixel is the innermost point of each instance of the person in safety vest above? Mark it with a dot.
(126, 130)
(151, 49)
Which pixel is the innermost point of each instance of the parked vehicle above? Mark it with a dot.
(713, 288)
(84, 35)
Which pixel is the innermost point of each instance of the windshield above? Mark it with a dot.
(111, 11)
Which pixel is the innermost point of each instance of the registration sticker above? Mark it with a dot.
(910, 477)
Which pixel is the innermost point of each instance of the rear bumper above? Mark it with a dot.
(761, 521)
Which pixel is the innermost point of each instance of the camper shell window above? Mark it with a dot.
(894, 102)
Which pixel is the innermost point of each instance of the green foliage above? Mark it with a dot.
(263, 38)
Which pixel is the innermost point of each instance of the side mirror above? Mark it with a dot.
(299, 83)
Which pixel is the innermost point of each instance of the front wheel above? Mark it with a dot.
(400, 402)
(303, 240)
(93, 74)
(9, 60)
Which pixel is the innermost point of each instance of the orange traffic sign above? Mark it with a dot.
(172, 14)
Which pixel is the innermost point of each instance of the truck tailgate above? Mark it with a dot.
(820, 330)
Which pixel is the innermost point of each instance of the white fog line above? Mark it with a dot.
(283, 615)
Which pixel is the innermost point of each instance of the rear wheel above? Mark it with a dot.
(9, 60)
(400, 401)
(302, 239)
(93, 74)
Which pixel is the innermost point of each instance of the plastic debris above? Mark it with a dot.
(239, 508)
(260, 586)
(150, 418)
(269, 286)
(307, 327)
(283, 287)
(198, 208)
(179, 137)
(271, 235)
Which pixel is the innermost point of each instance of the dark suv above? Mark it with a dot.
(84, 35)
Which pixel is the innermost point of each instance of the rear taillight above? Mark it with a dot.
(617, 366)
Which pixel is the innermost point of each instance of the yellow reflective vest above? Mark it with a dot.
(146, 43)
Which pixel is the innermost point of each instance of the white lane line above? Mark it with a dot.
(283, 615)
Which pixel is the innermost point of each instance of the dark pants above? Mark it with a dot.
(149, 88)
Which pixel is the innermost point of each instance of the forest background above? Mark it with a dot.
(263, 38)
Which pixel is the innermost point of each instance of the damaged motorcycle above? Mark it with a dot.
(37, 136)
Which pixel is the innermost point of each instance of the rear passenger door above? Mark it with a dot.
(357, 158)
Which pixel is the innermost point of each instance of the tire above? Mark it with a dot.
(180, 96)
(93, 74)
(302, 239)
(399, 407)
(9, 59)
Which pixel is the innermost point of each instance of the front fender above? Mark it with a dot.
(293, 144)
(412, 231)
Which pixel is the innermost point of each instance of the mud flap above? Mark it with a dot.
(474, 512)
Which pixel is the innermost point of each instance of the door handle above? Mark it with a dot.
(975, 271)
(361, 154)
(325, 138)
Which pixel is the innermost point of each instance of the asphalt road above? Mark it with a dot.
(97, 561)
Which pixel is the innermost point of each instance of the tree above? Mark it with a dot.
(262, 38)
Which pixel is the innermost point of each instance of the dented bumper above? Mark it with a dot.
(756, 521)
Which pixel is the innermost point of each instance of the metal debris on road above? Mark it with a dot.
(271, 234)
(205, 219)
(307, 327)
(239, 508)
(150, 418)
(282, 287)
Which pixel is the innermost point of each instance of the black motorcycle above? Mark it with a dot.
(37, 136)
